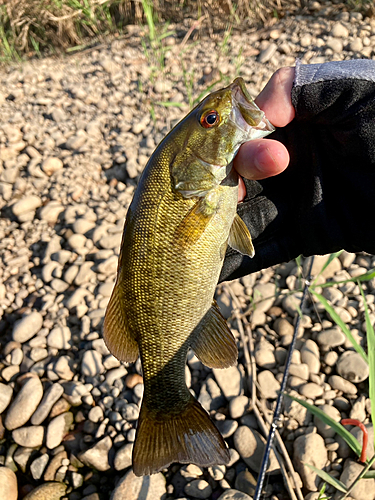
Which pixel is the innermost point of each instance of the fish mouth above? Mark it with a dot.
(245, 113)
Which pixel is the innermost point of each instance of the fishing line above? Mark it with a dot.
(276, 414)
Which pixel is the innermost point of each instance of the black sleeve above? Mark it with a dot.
(325, 200)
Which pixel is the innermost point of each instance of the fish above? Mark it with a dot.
(177, 229)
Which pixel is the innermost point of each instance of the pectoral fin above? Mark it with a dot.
(193, 224)
(116, 334)
(213, 342)
(240, 238)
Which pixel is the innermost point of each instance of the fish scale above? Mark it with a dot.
(177, 228)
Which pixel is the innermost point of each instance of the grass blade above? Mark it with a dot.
(371, 355)
(327, 263)
(169, 104)
(328, 479)
(364, 277)
(340, 429)
(336, 318)
(370, 474)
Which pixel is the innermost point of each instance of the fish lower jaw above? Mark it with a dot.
(250, 132)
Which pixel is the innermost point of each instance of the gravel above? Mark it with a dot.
(75, 134)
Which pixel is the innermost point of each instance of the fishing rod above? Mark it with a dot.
(276, 414)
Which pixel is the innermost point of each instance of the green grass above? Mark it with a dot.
(369, 357)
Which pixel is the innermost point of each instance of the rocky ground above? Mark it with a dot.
(75, 134)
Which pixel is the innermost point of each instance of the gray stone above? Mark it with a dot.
(230, 381)
(343, 314)
(110, 66)
(47, 491)
(52, 165)
(265, 355)
(62, 368)
(299, 370)
(311, 390)
(25, 403)
(358, 434)
(198, 488)
(297, 412)
(28, 326)
(6, 393)
(331, 338)
(365, 488)
(85, 273)
(238, 406)
(60, 338)
(77, 243)
(226, 427)
(52, 394)
(356, 45)
(98, 455)
(123, 458)
(234, 495)
(335, 44)
(351, 366)
(246, 482)
(108, 266)
(92, 363)
(324, 429)
(30, 437)
(267, 53)
(339, 30)
(319, 262)
(268, 385)
(210, 396)
(250, 445)
(358, 410)
(8, 481)
(340, 384)
(130, 412)
(224, 302)
(132, 487)
(217, 472)
(263, 296)
(96, 414)
(311, 356)
(291, 303)
(27, 204)
(309, 449)
(38, 466)
(83, 226)
(57, 429)
(116, 374)
(282, 327)
(22, 456)
(75, 142)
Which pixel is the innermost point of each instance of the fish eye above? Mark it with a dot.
(209, 118)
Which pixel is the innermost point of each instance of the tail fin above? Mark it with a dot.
(187, 437)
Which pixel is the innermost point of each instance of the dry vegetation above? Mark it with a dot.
(29, 27)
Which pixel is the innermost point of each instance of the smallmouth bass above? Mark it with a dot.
(181, 219)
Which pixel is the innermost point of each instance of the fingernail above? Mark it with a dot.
(264, 159)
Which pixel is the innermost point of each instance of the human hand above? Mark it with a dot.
(317, 204)
(264, 158)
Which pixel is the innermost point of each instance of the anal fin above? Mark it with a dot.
(187, 436)
(116, 334)
(240, 238)
(213, 342)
